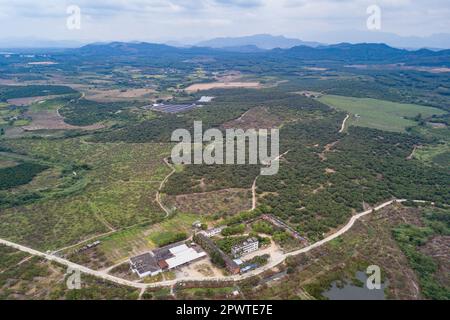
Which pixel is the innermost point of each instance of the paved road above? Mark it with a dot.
(270, 265)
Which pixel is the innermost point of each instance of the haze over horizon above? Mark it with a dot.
(406, 23)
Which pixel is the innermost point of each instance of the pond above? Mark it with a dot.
(353, 292)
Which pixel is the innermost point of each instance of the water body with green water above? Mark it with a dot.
(353, 292)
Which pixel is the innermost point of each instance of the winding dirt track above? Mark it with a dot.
(161, 186)
(343, 124)
(273, 263)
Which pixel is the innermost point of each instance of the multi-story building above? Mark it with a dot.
(246, 247)
(209, 245)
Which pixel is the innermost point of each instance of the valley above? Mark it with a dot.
(87, 179)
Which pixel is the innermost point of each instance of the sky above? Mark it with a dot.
(190, 21)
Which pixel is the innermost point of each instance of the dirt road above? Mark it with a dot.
(343, 124)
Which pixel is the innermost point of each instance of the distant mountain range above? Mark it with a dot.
(369, 53)
(435, 41)
(344, 52)
(262, 41)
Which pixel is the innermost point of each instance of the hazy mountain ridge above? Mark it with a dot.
(262, 41)
(343, 52)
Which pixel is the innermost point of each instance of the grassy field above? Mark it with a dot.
(164, 230)
(48, 105)
(379, 114)
(437, 154)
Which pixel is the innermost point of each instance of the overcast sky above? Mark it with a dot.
(162, 20)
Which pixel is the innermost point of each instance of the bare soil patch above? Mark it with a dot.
(42, 63)
(29, 100)
(222, 85)
(328, 148)
(52, 120)
(229, 200)
(202, 268)
(120, 95)
(256, 118)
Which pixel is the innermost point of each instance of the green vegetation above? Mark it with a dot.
(103, 183)
(233, 230)
(21, 174)
(165, 238)
(118, 245)
(259, 260)
(117, 191)
(205, 293)
(282, 237)
(226, 244)
(434, 154)
(369, 242)
(411, 238)
(24, 277)
(263, 227)
(85, 112)
(10, 257)
(12, 92)
(314, 201)
(379, 114)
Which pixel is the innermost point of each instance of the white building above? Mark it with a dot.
(206, 99)
(183, 255)
(166, 258)
(212, 232)
(248, 246)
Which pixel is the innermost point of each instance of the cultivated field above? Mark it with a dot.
(379, 114)
(117, 191)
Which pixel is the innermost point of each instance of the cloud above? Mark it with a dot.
(241, 3)
(151, 19)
